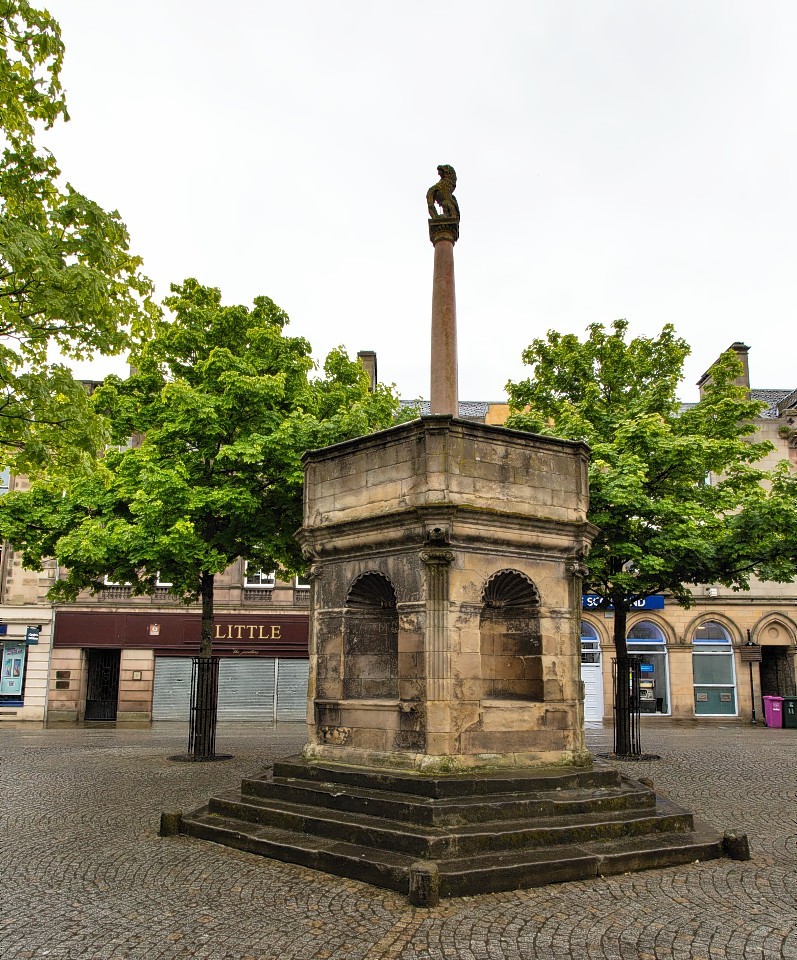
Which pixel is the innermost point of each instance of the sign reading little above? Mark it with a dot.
(247, 631)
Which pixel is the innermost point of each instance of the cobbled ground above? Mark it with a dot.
(84, 874)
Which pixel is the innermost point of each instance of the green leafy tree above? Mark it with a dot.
(221, 408)
(67, 278)
(675, 493)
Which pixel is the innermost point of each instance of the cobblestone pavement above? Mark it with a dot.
(83, 873)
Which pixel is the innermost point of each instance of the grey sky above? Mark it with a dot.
(623, 158)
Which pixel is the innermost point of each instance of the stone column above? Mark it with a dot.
(438, 668)
(437, 651)
(443, 233)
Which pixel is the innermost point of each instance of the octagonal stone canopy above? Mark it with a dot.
(446, 597)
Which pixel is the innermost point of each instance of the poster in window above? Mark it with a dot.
(13, 670)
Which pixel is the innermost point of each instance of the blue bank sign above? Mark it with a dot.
(592, 601)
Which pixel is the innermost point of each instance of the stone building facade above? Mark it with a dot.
(112, 656)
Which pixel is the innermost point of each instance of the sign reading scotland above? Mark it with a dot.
(592, 601)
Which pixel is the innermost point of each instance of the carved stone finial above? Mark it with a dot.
(442, 195)
(443, 206)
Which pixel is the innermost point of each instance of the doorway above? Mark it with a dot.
(102, 685)
(777, 672)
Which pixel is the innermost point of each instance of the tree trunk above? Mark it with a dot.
(205, 690)
(623, 743)
(206, 581)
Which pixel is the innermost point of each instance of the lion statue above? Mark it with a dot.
(442, 194)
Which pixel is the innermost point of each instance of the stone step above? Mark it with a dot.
(473, 783)
(650, 852)
(463, 876)
(452, 811)
(552, 865)
(380, 868)
(439, 842)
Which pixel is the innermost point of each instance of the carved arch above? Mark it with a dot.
(510, 588)
(371, 589)
(734, 631)
(510, 638)
(370, 639)
(604, 637)
(779, 620)
(659, 622)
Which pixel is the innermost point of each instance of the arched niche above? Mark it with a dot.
(775, 630)
(510, 640)
(370, 639)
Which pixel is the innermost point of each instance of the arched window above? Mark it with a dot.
(713, 671)
(509, 629)
(590, 644)
(370, 640)
(646, 640)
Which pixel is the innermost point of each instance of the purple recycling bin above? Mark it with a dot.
(773, 711)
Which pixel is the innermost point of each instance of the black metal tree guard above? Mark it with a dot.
(634, 708)
(204, 708)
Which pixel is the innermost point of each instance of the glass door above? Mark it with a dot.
(12, 670)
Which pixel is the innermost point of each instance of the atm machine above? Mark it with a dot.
(647, 688)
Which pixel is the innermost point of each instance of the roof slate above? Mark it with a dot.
(772, 399)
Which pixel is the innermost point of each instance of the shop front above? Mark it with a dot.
(24, 654)
(137, 665)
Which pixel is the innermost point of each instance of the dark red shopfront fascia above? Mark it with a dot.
(175, 634)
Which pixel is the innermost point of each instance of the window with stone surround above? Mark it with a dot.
(713, 671)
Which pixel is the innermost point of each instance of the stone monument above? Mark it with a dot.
(444, 233)
(446, 750)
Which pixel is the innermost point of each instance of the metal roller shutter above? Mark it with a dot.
(292, 689)
(246, 690)
(171, 696)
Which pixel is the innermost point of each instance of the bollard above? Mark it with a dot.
(735, 845)
(170, 823)
(424, 884)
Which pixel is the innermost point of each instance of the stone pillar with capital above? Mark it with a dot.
(437, 654)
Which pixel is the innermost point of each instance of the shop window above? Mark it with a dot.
(510, 641)
(261, 579)
(370, 639)
(646, 640)
(713, 671)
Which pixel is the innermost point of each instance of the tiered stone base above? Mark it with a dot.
(444, 836)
